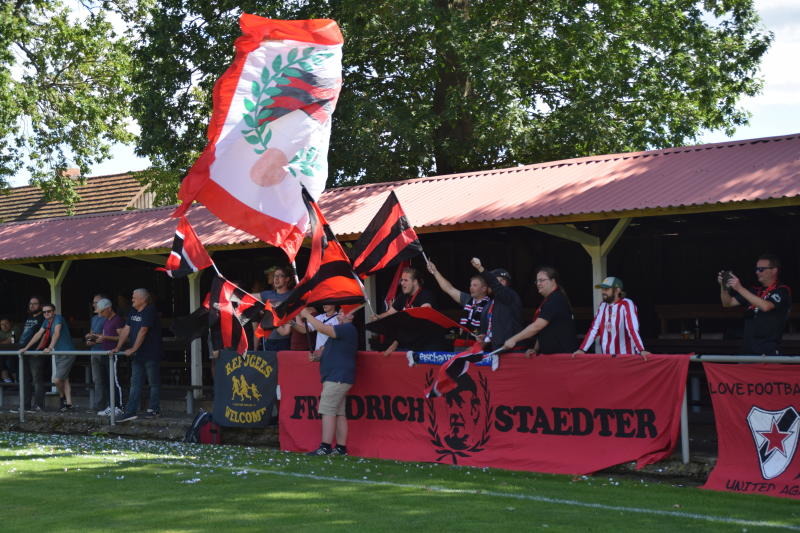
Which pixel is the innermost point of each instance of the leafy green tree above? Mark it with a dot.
(443, 86)
(64, 90)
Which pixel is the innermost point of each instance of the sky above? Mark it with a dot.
(776, 111)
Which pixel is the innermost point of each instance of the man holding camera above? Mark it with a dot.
(767, 305)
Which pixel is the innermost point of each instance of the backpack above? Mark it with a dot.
(203, 430)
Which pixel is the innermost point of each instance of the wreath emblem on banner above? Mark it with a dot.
(470, 417)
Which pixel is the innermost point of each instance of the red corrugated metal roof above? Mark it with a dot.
(752, 170)
(732, 172)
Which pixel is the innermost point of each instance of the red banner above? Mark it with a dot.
(546, 414)
(757, 414)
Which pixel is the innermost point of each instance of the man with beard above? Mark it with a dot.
(412, 295)
(34, 365)
(616, 322)
(767, 305)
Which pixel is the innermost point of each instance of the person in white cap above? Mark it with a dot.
(616, 323)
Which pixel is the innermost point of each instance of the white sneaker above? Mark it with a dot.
(118, 412)
(104, 412)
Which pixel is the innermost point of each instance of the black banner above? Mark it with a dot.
(244, 388)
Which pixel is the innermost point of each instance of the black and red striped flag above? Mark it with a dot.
(230, 309)
(447, 376)
(188, 254)
(329, 277)
(388, 239)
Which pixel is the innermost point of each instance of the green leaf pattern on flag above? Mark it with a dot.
(258, 132)
(306, 161)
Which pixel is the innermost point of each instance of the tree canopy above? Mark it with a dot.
(64, 90)
(430, 86)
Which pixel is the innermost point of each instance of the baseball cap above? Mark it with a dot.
(103, 303)
(610, 283)
(501, 273)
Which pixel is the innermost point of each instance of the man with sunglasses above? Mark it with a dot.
(767, 305)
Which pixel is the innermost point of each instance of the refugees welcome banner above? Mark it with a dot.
(546, 414)
(756, 409)
(244, 388)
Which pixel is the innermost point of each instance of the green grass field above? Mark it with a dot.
(70, 483)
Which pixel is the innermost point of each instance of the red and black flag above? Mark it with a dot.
(188, 254)
(329, 277)
(230, 308)
(388, 239)
(447, 376)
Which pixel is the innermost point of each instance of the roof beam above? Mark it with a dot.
(570, 233)
(155, 259)
(26, 270)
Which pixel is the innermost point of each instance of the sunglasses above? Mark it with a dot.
(762, 269)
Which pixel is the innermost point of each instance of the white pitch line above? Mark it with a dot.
(475, 492)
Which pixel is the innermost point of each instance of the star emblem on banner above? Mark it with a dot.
(775, 437)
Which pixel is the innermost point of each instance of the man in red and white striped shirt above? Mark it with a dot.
(616, 323)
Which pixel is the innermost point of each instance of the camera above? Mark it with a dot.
(726, 277)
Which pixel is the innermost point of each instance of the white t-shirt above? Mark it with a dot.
(328, 321)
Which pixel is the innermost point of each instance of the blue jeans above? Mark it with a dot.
(138, 370)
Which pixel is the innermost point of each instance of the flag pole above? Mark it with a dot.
(364, 292)
(309, 338)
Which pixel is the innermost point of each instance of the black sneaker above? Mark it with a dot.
(126, 418)
(322, 450)
(339, 450)
(151, 414)
(67, 407)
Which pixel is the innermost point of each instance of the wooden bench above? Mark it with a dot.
(686, 314)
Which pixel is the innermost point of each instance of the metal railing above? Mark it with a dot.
(35, 353)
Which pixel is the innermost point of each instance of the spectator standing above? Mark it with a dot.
(8, 338)
(767, 305)
(107, 341)
(54, 335)
(504, 315)
(143, 327)
(99, 378)
(337, 372)
(553, 322)
(282, 284)
(475, 303)
(412, 294)
(34, 364)
(329, 316)
(616, 323)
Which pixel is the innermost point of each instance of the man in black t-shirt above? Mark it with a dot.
(412, 295)
(143, 328)
(767, 306)
(553, 323)
(34, 364)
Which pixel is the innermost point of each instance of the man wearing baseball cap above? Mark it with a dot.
(504, 315)
(616, 323)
